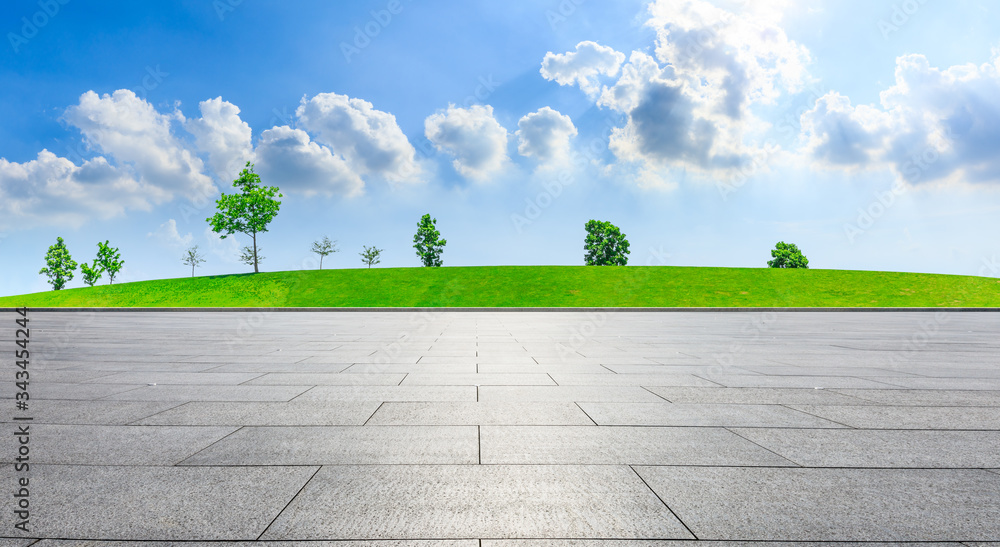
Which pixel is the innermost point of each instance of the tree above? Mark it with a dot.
(371, 255)
(109, 259)
(787, 255)
(59, 265)
(324, 247)
(427, 241)
(192, 258)
(91, 274)
(605, 245)
(248, 212)
(250, 256)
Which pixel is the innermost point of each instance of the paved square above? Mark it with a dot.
(507, 429)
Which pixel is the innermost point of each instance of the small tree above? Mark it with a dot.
(324, 247)
(251, 256)
(248, 212)
(91, 274)
(192, 258)
(427, 241)
(109, 259)
(605, 245)
(787, 255)
(59, 265)
(371, 255)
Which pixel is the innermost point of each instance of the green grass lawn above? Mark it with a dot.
(524, 286)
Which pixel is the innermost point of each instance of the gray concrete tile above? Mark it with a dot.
(283, 367)
(689, 543)
(880, 448)
(808, 382)
(389, 393)
(66, 391)
(665, 379)
(292, 413)
(182, 393)
(480, 413)
(433, 501)
(477, 380)
(166, 503)
(95, 412)
(701, 415)
(568, 393)
(181, 378)
(908, 417)
(329, 379)
(621, 445)
(407, 368)
(754, 395)
(972, 384)
(343, 445)
(754, 503)
(371, 543)
(928, 397)
(494, 368)
(117, 445)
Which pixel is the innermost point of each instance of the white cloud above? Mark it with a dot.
(473, 136)
(932, 125)
(288, 159)
(228, 250)
(583, 66)
(370, 140)
(225, 137)
(687, 105)
(168, 235)
(545, 134)
(51, 190)
(132, 132)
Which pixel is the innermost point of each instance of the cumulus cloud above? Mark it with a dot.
(583, 66)
(132, 132)
(369, 140)
(473, 136)
(288, 159)
(51, 190)
(168, 235)
(221, 134)
(545, 134)
(687, 104)
(933, 124)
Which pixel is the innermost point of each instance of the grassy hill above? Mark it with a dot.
(538, 286)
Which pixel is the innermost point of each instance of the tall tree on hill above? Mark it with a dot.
(59, 265)
(248, 212)
(428, 243)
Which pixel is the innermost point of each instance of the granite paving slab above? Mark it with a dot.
(480, 413)
(908, 417)
(711, 415)
(491, 501)
(754, 503)
(296, 412)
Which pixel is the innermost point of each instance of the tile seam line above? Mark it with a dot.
(511, 309)
(655, 493)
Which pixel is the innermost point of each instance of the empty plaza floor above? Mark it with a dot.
(502, 428)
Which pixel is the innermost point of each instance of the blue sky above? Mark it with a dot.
(865, 132)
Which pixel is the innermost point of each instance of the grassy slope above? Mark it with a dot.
(538, 286)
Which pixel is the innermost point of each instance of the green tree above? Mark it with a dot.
(251, 257)
(787, 255)
(91, 274)
(427, 241)
(59, 265)
(324, 247)
(110, 260)
(371, 255)
(248, 212)
(192, 258)
(605, 245)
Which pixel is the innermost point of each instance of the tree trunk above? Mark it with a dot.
(321, 262)
(255, 270)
